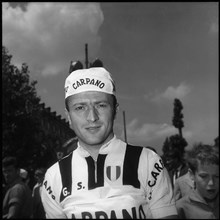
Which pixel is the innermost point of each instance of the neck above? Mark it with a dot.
(211, 202)
(93, 150)
(93, 153)
(14, 181)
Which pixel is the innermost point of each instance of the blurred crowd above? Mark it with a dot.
(20, 200)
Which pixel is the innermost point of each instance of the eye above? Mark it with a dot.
(101, 105)
(203, 176)
(79, 108)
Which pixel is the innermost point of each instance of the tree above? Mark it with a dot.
(178, 116)
(166, 145)
(20, 111)
(174, 146)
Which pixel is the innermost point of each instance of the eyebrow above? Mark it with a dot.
(86, 102)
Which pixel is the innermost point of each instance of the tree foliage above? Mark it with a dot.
(178, 116)
(174, 143)
(20, 111)
(174, 146)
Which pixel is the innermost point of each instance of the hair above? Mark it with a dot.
(203, 154)
(115, 104)
(40, 171)
(10, 161)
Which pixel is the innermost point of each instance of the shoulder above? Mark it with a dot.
(52, 170)
(18, 191)
(19, 186)
(53, 175)
(149, 161)
(145, 155)
(182, 201)
(184, 181)
(143, 150)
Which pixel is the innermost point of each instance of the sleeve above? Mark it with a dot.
(50, 194)
(17, 194)
(16, 198)
(180, 209)
(158, 187)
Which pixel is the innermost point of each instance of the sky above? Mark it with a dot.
(155, 51)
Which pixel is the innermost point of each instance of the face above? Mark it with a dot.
(207, 180)
(91, 117)
(172, 162)
(39, 178)
(10, 174)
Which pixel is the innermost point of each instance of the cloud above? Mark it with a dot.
(171, 93)
(148, 132)
(47, 36)
(214, 28)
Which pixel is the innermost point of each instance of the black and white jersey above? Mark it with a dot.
(125, 182)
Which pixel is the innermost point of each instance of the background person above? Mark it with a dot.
(38, 209)
(103, 177)
(182, 186)
(25, 176)
(175, 164)
(17, 202)
(202, 202)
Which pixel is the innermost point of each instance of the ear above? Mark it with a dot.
(191, 174)
(18, 171)
(68, 117)
(117, 107)
(116, 110)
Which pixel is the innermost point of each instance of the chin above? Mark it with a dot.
(94, 141)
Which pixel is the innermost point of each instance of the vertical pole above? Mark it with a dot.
(86, 51)
(124, 126)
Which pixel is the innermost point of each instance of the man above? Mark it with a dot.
(17, 202)
(175, 165)
(38, 209)
(25, 176)
(202, 202)
(103, 177)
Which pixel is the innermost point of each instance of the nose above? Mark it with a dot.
(211, 181)
(92, 114)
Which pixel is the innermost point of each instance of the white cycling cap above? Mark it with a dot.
(92, 79)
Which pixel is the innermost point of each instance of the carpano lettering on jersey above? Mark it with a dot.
(87, 81)
(49, 190)
(159, 168)
(134, 213)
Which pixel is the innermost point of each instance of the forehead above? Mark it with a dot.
(208, 168)
(90, 96)
(8, 168)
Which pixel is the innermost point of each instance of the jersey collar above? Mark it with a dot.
(103, 150)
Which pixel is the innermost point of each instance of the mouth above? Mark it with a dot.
(211, 191)
(93, 128)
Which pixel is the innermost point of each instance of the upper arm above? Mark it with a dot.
(50, 197)
(14, 210)
(16, 198)
(159, 187)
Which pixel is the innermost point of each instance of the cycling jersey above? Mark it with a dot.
(125, 182)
